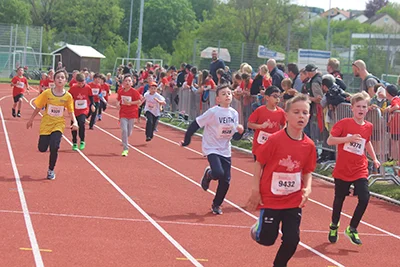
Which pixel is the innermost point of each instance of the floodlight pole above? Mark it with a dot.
(130, 30)
(329, 28)
(139, 48)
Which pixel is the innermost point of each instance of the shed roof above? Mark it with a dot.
(82, 51)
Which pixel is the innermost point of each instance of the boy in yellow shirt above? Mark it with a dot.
(53, 123)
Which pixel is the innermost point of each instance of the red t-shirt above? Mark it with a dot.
(284, 160)
(48, 83)
(266, 82)
(81, 98)
(351, 162)
(189, 79)
(72, 82)
(128, 112)
(210, 84)
(105, 90)
(276, 120)
(42, 86)
(394, 122)
(141, 89)
(95, 91)
(21, 84)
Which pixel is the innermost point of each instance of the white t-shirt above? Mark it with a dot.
(152, 105)
(219, 126)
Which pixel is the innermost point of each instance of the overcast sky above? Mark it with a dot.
(343, 4)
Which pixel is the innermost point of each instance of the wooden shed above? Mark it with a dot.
(77, 57)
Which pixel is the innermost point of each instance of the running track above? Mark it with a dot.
(149, 210)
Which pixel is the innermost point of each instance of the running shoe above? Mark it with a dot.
(13, 113)
(125, 153)
(82, 145)
(51, 175)
(148, 139)
(216, 209)
(99, 117)
(206, 179)
(333, 236)
(74, 146)
(352, 234)
(19, 114)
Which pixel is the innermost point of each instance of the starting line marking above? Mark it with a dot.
(42, 250)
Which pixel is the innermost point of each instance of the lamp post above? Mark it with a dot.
(329, 28)
(130, 30)
(139, 48)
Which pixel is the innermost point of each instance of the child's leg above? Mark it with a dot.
(93, 116)
(101, 105)
(268, 227)
(43, 144)
(20, 103)
(291, 219)
(155, 124)
(362, 191)
(123, 122)
(55, 140)
(221, 171)
(341, 191)
(74, 133)
(81, 123)
(149, 124)
(130, 126)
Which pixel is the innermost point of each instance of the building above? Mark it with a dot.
(385, 21)
(360, 18)
(77, 57)
(336, 14)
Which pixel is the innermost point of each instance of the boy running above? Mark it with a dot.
(53, 123)
(19, 83)
(128, 103)
(282, 181)
(220, 123)
(352, 135)
(83, 99)
(105, 91)
(152, 109)
(96, 86)
(267, 119)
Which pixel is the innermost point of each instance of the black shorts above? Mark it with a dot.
(18, 97)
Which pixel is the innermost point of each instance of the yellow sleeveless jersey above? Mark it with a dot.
(53, 116)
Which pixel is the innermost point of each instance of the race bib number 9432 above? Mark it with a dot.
(285, 183)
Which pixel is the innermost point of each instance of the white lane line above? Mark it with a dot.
(250, 174)
(134, 204)
(28, 222)
(211, 192)
(94, 217)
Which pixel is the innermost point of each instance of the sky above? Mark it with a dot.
(342, 4)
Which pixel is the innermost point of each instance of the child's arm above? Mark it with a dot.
(256, 126)
(332, 140)
(371, 152)
(307, 181)
(74, 125)
(193, 127)
(255, 198)
(161, 102)
(239, 132)
(30, 121)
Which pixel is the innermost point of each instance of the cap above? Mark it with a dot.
(153, 84)
(392, 90)
(310, 67)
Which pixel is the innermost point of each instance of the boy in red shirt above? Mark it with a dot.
(19, 83)
(128, 103)
(83, 100)
(42, 83)
(96, 86)
(282, 181)
(268, 119)
(105, 91)
(352, 137)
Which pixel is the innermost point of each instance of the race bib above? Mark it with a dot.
(355, 147)
(52, 85)
(285, 183)
(150, 105)
(104, 93)
(55, 111)
(225, 131)
(262, 137)
(207, 88)
(95, 91)
(81, 104)
(20, 85)
(126, 99)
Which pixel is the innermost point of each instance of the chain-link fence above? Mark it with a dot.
(20, 46)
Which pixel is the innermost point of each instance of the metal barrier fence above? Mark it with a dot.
(385, 136)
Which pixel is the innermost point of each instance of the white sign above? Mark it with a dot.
(264, 52)
(317, 57)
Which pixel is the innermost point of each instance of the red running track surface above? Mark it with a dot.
(89, 215)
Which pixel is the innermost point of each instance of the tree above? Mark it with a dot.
(14, 11)
(163, 21)
(199, 6)
(42, 12)
(392, 9)
(373, 6)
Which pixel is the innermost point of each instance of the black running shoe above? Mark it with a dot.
(206, 179)
(333, 236)
(216, 209)
(352, 234)
(19, 114)
(148, 139)
(13, 113)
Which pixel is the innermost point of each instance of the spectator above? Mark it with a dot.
(276, 74)
(294, 74)
(333, 68)
(216, 64)
(368, 80)
(59, 66)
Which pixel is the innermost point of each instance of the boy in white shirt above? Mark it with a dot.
(152, 109)
(221, 123)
